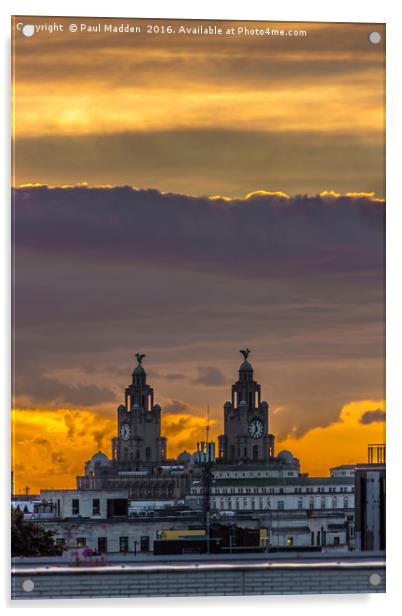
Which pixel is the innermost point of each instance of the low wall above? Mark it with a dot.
(199, 579)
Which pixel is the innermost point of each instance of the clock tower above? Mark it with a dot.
(139, 441)
(246, 437)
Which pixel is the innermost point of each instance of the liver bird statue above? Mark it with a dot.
(245, 353)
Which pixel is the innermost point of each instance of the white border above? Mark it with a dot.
(286, 10)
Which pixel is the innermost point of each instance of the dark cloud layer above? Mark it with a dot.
(175, 406)
(372, 416)
(210, 375)
(265, 235)
(49, 391)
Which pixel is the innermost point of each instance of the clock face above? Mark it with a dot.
(256, 428)
(125, 431)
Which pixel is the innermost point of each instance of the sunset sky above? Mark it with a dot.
(185, 196)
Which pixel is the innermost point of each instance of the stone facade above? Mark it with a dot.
(139, 441)
(246, 436)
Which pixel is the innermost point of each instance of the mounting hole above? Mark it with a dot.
(28, 30)
(28, 585)
(374, 579)
(374, 38)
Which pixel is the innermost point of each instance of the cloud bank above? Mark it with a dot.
(262, 235)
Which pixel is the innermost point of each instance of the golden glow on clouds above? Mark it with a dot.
(265, 193)
(353, 195)
(331, 194)
(51, 446)
(110, 84)
(104, 110)
(342, 442)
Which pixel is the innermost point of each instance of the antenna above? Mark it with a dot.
(207, 430)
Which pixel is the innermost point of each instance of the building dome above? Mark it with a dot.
(285, 456)
(184, 457)
(99, 459)
(227, 405)
(139, 370)
(156, 408)
(246, 366)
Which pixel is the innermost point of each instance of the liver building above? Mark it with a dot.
(139, 441)
(246, 437)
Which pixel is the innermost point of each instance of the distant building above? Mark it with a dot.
(139, 462)
(370, 507)
(124, 503)
(246, 436)
(344, 470)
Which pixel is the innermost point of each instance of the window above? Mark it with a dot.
(323, 503)
(81, 542)
(290, 541)
(102, 545)
(281, 504)
(346, 502)
(336, 540)
(300, 503)
(61, 543)
(311, 503)
(147, 453)
(95, 506)
(144, 544)
(75, 506)
(123, 544)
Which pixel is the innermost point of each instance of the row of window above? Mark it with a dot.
(81, 542)
(250, 475)
(75, 506)
(274, 490)
(238, 504)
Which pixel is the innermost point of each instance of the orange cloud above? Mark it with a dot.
(50, 447)
(342, 442)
